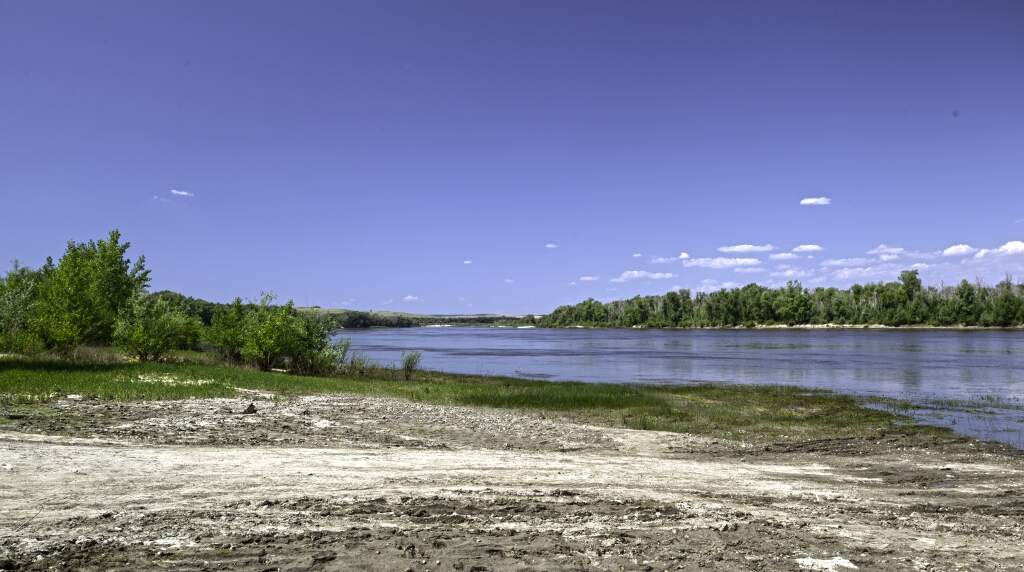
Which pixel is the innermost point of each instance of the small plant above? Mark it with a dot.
(359, 364)
(410, 363)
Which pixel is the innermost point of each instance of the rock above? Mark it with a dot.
(250, 410)
(325, 556)
(7, 565)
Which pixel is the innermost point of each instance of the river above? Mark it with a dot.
(971, 381)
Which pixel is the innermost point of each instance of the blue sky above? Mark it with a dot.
(493, 156)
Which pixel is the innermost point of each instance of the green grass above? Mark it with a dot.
(749, 413)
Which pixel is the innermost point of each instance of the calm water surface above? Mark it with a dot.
(927, 367)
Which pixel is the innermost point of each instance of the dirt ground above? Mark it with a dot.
(352, 483)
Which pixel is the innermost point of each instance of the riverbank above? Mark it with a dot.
(923, 327)
(341, 481)
(755, 414)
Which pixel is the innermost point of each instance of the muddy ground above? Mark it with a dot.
(351, 483)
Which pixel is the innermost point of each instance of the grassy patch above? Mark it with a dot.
(749, 413)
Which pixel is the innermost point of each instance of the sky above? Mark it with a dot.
(508, 157)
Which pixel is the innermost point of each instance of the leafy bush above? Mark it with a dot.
(225, 333)
(17, 299)
(150, 327)
(410, 363)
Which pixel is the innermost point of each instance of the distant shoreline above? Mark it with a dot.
(763, 327)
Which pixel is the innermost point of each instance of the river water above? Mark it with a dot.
(971, 381)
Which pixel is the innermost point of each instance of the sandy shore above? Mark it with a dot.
(346, 483)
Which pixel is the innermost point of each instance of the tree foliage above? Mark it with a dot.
(904, 302)
(149, 327)
(79, 298)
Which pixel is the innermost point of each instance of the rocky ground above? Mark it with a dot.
(344, 482)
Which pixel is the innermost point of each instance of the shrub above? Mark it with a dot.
(150, 327)
(225, 333)
(17, 300)
(410, 363)
(270, 333)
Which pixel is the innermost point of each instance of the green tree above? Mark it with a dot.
(225, 333)
(82, 295)
(18, 290)
(149, 327)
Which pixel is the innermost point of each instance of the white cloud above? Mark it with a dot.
(816, 201)
(748, 269)
(808, 248)
(1010, 248)
(846, 262)
(410, 298)
(791, 273)
(182, 193)
(888, 257)
(665, 259)
(642, 274)
(550, 245)
(720, 262)
(509, 281)
(589, 278)
(746, 248)
(959, 250)
(637, 254)
(783, 256)
(886, 249)
(467, 262)
(710, 285)
(866, 272)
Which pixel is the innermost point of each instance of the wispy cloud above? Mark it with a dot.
(410, 298)
(181, 193)
(791, 273)
(550, 245)
(748, 269)
(808, 248)
(667, 259)
(637, 254)
(467, 262)
(783, 256)
(884, 249)
(846, 262)
(589, 278)
(509, 281)
(720, 262)
(642, 275)
(746, 248)
(816, 201)
(710, 285)
(959, 250)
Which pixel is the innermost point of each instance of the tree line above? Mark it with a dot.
(95, 295)
(904, 302)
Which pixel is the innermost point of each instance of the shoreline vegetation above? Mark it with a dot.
(86, 325)
(902, 303)
(746, 413)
